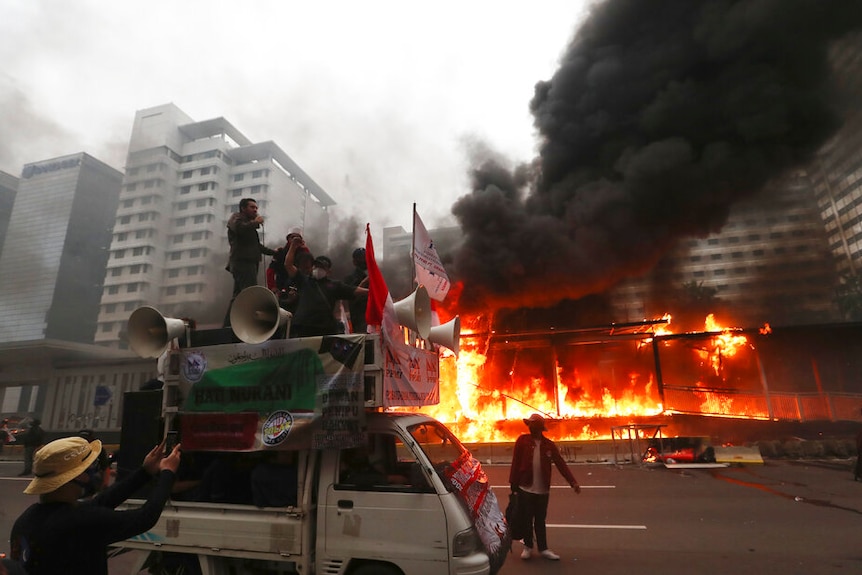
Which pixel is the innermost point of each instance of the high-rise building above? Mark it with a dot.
(183, 180)
(53, 261)
(770, 263)
(8, 189)
(836, 173)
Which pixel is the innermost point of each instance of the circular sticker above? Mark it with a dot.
(193, 367)
(276, 427)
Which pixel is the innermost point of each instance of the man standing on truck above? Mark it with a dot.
(61, 534)
(318, 294)
(245, 248)
(530, 478)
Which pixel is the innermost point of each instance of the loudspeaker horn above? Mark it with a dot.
(150, 332)
(255, 315)
(447, 334)
(414, 312)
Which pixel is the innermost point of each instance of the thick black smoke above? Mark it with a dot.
(661, 115)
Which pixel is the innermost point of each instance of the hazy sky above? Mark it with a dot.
(377, 100)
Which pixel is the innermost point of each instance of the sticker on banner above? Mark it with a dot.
(194, 366)
(276, 427)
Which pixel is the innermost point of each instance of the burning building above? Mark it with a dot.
(659, 120)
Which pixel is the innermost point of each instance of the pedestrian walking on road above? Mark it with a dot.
(33, 439)
(530, 478)
(857, 471)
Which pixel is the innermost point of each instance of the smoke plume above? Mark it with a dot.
(660, 116)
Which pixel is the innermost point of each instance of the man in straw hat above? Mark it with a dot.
(530, 478)
(61, 534)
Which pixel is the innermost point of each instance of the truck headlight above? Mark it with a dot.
(465, 542)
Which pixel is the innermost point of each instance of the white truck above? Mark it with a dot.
(292, 465)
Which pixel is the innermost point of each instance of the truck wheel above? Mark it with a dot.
(376, 569)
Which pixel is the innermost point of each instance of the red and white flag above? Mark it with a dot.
(410, 374)
(429, 269)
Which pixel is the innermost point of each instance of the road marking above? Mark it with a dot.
(564, 487)
(577, 526)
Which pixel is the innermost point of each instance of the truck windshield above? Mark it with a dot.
(440, 446)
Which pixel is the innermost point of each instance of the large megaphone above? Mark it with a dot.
(414, 312)
(255, 315)
(447, 334)
(150, 332)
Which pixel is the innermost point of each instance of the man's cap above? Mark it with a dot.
(359, 253)
(536, 420)
(61, 461)
(323, 262)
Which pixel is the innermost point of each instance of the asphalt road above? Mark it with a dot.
(779, 518)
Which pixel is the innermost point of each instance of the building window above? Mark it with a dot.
(119, 254)
(205, 170)
(130, 305)
(146, 200)
(131, 187)
(128, 203)
(132, 172)
(195, 253)
(138, 251)
(255, 189)
(238, 177)
(113, 290)
(115, 272)
(111, 308)
(124, 219)
(191, 288)
(132, 287)
(174, 273)
(121, 237)
(107, 326)
(171, 290)
(135, 269)
(176, 255)
(185, 189)
(187, 174)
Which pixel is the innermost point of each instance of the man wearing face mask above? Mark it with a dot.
(62, 534)
(317, 296)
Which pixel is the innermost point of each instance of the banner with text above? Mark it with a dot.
(287, 383)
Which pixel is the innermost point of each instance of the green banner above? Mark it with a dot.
(286, 382)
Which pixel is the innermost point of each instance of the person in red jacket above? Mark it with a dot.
(530, 478)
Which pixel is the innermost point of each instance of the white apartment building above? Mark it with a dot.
(183, 180)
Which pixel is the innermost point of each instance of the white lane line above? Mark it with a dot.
(564, 487)
(577, 526)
